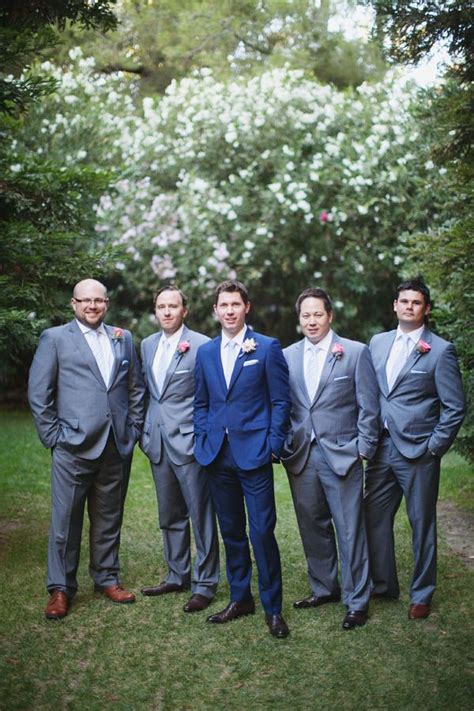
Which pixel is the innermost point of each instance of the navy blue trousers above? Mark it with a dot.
(234, 490)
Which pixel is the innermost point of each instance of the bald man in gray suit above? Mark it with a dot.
(86, 395)
(168, 441)
(422, 407)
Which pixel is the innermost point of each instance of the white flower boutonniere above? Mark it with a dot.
(248, 346)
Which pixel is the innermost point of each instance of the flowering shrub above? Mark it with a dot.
(277, 180)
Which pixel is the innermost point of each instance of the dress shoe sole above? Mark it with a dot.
(55, 617)
(148, 593)
(309, 606)
(231, 619)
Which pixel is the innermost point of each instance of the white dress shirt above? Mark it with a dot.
(228, 359)
(167, 347)
(402, 347)
(101, 347)
(315, 355)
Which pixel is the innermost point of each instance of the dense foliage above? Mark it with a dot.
(445, 255)
(277, 179)
(46, 217)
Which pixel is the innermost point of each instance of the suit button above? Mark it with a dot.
(107, 414)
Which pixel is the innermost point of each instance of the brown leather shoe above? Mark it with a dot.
(354, 618)
(277, 626)
(315, 601)
(116, 593)
(233, 611)
(197, 603)
(58, 605)
(418, 611)
(163, 589)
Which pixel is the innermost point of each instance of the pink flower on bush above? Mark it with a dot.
(422, 347)
(117, 334)
(183, 347)
(324, 216)
(337, 350)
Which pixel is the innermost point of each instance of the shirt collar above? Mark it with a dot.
(323, 344)
(239, 338)
(88, 329)
(175, 338)
(412, 335)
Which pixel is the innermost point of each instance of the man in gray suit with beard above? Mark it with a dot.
(334, 425)
(86, 395)
(168, 441)
(422, 408)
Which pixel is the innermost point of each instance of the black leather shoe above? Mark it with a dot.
(354, 618)
(233, 611)
(197, 603)
(277, 626)
(314, 601)
(163, 588)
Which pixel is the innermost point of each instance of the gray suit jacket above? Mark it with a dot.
(169, 417)
(425, 408)
(344, 414)
(70, 403)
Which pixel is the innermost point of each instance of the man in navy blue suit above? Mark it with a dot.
(241, 418)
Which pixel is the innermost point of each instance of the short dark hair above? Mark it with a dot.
(415, 284)
(314, 293)
(171, 287)
(231, 285)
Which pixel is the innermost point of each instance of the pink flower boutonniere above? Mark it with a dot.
(422, 347)
(117, 334)
(183, 347)
(337, 350)
(248, 346)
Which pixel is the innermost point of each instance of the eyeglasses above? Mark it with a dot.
(89, 302)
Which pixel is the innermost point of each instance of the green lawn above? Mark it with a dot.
(152, 656)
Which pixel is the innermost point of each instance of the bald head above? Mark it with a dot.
(89, 302)
(86, 284)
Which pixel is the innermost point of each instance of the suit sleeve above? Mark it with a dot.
(136, 390)
(201, 398)
(279, 392)
(367, 394)
(451, 396)
(42, 385)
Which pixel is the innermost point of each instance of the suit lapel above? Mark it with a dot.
(412, 359)
(326, 371)
(84, 349)
(176, 358)
(117, 349)
(299, 370)
(149, 357)
(240, 360)
(216, 356)
(387, 347)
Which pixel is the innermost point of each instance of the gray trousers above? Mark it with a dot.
(75, 481)
(183, 494)
(324, 501)
(389, 477)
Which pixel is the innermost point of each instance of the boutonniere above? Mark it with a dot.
(182, 348)
(117, 334)
(337, 351)
(422, 347)
(248, 346)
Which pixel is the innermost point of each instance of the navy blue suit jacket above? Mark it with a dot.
(254, 410)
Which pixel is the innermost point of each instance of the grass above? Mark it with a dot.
(152, 656)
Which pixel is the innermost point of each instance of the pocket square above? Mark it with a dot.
(342, 377)
(421, 372)
(185, 370)
(250, 362)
